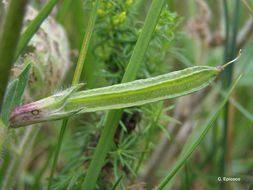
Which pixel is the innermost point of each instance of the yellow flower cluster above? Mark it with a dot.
(119, 18)
(115, 11)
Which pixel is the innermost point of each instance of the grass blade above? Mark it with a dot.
(194, 140)
(113, 116)
(57, 151)
(22, 82)
(114, 187)
(85, 45)
(77, 74)
(34, 26)
(9, 41)
(230, 52)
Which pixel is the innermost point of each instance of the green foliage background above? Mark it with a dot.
(148, 143)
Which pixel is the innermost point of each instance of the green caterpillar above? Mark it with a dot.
(139, 92)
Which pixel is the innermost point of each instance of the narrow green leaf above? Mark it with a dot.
(22, 82)
(194, 140)
(58, 148)
(8, 100)
(34, 26)
(165, 131)
(75, 80)
(117, 183)
(113, 116)
(8, 41)
(232, 24)
(85, 45)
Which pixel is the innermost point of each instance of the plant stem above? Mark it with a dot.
(113, 117)
(58, 147)
(8, 41)
(34, 26)
(230, 53)
(85, 45)
(76, 78)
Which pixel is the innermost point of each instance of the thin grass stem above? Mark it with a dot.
(57, 151)
(34, 26)
(76, 78)
(230, 53)
(113, 116)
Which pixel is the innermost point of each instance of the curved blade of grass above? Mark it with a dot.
(34, 26)
(76, 78)
(8, 41)
(194, 140)
(113, 117)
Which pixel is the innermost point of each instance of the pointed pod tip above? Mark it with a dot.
(222, 67)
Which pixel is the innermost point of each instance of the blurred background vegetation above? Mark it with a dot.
(149, 138)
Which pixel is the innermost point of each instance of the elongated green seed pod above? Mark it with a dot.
(143, 91)
(139, 92)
